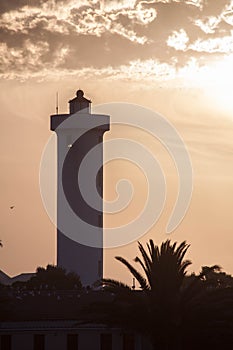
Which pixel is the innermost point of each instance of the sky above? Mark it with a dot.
(173, 57)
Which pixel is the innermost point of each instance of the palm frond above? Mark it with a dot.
(146, 264)
(108, 282)
(141, 280)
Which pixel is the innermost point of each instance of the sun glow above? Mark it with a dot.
(214, 79)
(219, 83)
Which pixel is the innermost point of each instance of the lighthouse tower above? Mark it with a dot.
(79, 224)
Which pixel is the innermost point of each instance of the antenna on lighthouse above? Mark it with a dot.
(56, 102)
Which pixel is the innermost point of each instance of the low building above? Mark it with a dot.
(66, 335)
(58, 320)
(22, 277)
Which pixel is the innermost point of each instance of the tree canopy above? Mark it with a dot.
(53, 277)
(171, 310)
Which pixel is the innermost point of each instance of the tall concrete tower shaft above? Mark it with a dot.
(78, 133)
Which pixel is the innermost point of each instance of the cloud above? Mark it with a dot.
(227, 16)
(152, 70)
(74, 36)
(214, 8)
(82, 17)
(197, 3)
(178, 40)
(209, 24)
(30, 57)
(214, 45)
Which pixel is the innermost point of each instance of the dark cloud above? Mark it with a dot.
(88, 36)
(6, 6)
(214, 7)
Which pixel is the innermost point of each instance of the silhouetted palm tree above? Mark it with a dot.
(171, 313)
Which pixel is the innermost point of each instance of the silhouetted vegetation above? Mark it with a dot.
(51, 278)
(173, 311)
(51, 293)
(215, 278)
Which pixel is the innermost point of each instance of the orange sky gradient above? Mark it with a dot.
(173, 57)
